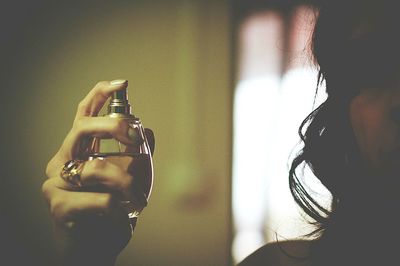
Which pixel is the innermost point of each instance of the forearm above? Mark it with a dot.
(91, 242)
(72, 253)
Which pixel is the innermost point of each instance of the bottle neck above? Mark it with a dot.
(119, 109)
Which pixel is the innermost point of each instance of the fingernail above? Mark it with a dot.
(134, 136)
(118, 82)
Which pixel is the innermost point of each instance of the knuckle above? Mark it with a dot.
(56, 206)
(77, 123)
(49, 167)
(78, 127)
(100, 84)
(82, 105)
(99, 88)
(52, 166)
(46, 188)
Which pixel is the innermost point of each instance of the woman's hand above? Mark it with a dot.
(91, 226)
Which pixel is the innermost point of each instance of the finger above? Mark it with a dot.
(101, 127)
(103, 176)
(66, 205)
(116, 179)
(150, 139)
(95, 99)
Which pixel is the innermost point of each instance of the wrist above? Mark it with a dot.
(86, 259)
(89, 242)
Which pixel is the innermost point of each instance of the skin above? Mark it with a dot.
(377, 132)
(94, 207)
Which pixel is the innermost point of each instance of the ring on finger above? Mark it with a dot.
(71, 172)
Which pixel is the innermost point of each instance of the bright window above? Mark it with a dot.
(274, 93)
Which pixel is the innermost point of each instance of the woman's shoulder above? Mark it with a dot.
(287, 253)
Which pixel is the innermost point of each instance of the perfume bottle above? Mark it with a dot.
(135, 158)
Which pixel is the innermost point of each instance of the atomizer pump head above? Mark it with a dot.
(119, 103)
(120, 95)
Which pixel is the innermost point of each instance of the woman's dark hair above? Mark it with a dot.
(355, 46)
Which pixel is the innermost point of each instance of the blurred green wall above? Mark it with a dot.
(176, 56)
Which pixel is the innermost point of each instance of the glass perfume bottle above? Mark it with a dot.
(135, 158)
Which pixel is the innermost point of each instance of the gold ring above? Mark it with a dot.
(71, 172)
